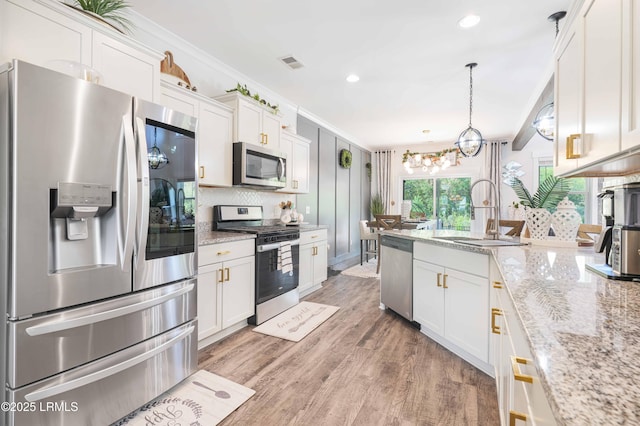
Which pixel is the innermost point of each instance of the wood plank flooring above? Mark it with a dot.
(363, 366)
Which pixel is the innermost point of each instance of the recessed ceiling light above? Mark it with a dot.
(469, 21)
(352, 78)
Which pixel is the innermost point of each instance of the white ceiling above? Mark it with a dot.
(410, 56)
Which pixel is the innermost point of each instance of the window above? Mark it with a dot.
(443, 200)
(579, 193)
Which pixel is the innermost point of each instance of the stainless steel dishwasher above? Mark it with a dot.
(396, 275)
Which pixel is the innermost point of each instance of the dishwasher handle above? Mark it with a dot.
(401, 244)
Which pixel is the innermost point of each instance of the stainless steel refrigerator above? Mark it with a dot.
(97, 249)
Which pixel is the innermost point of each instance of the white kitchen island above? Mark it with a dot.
(563, 341)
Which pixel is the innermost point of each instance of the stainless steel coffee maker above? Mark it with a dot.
(625, 241)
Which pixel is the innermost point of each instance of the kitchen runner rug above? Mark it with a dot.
(295, 323)
(366, 270)
(202, 399)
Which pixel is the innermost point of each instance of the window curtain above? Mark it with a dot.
(383, 161)
(493, 158)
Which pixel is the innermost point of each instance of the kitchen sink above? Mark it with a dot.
(491, 243)
(458, 238)
(480, 242)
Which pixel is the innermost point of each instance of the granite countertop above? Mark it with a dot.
(583, 330)
(206, 238)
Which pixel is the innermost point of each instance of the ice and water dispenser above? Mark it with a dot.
(83, 226)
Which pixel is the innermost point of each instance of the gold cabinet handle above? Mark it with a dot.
(201, 175)
(574, 146)
(516, 415)
(517, 375)
(228, 277)
(438, 280)
(224, 252)
(444, 281)
(495, 329)
(497, 284)
(221, 275)
(314, 236)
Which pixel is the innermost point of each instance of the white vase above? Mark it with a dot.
(566, 221)
(538, 222)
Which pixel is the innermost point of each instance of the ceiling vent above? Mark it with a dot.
(291, 62)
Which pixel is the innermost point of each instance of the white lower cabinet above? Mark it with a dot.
(521, 398)
(451, 300)
(226, 286)
(313, 260)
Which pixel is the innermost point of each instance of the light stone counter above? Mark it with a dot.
(206, 238)
(583, 330)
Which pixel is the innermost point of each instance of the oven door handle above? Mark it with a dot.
(274, 246)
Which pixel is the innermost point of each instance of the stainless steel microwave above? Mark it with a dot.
(256, 166)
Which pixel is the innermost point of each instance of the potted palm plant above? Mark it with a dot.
(537, 215)
(110, 12)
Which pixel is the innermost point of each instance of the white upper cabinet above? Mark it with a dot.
(126, 68)
(630, 75)
(34, 33)
(253, 123)
(215, 121)
(596, 91)
(567, 101)
(41, 32)
(215, 148)
(602, 63)
(297, 151)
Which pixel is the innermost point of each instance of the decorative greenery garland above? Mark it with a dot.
(242, 89)
(345, 158)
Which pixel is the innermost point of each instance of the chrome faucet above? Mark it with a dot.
(494, 232)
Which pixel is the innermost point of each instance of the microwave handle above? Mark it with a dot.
(281, 169)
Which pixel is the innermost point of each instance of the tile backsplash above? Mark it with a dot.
(209, 197)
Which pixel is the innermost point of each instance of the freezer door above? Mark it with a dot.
(72, 191)
(108, 389)
(44, 346)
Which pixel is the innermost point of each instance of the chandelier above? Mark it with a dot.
(430, 162)
(157, 159)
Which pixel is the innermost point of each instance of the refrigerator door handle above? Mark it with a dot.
(143, 165)
(130, 161)
(51, 391)
(55, 326)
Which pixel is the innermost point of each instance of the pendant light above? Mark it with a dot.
(545, 121)
(157, 159)
(470, 140)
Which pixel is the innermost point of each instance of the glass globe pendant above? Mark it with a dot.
(157, 159)
(545, 122)
(470, 140)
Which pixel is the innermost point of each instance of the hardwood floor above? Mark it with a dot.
(363, 366)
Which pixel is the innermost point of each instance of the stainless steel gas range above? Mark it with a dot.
(277, 257)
